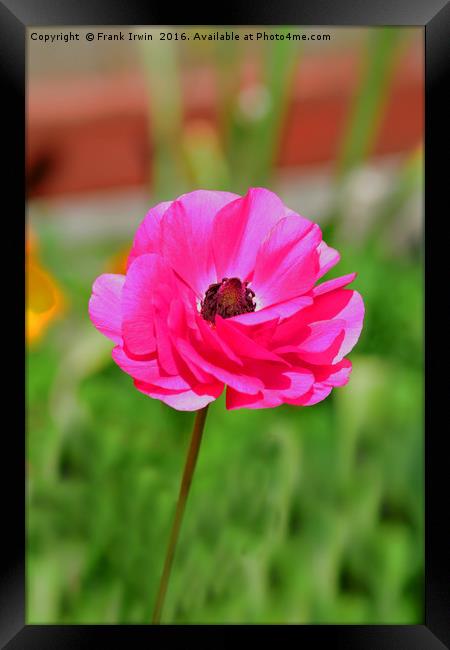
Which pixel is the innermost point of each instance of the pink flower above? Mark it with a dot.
(220, 290)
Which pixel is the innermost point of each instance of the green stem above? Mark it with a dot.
(189, 467)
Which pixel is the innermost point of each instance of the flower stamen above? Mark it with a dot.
(228, 298)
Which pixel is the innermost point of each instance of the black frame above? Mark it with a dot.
(434, 15)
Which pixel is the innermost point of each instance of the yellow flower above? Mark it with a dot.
(44, 299)
(118, 262)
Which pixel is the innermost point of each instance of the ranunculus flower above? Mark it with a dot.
(221, 290)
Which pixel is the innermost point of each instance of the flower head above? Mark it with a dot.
(220, 290)
(44, 298)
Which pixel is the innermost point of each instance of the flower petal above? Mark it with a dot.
(212, 340)
(325, 379)
(300, 384)
(148, 235)
(316, 394)
(328, 257)
(320, 342)
(340, 304)
(237, 340)
(148, 371)
(279, 311)
(186, 236)
(287, 263)
(187, 400)
(105, 308)
(218, 368)
(137, 303)
(344, 305)
(336, 283)
(240, 227)
(236, 400)
(335, 375)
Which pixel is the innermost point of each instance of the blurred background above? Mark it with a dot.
(296, 515)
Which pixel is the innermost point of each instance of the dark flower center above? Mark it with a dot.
(228, 298)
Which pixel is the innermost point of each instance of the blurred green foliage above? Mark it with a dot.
(296, 515)
(378, 66)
